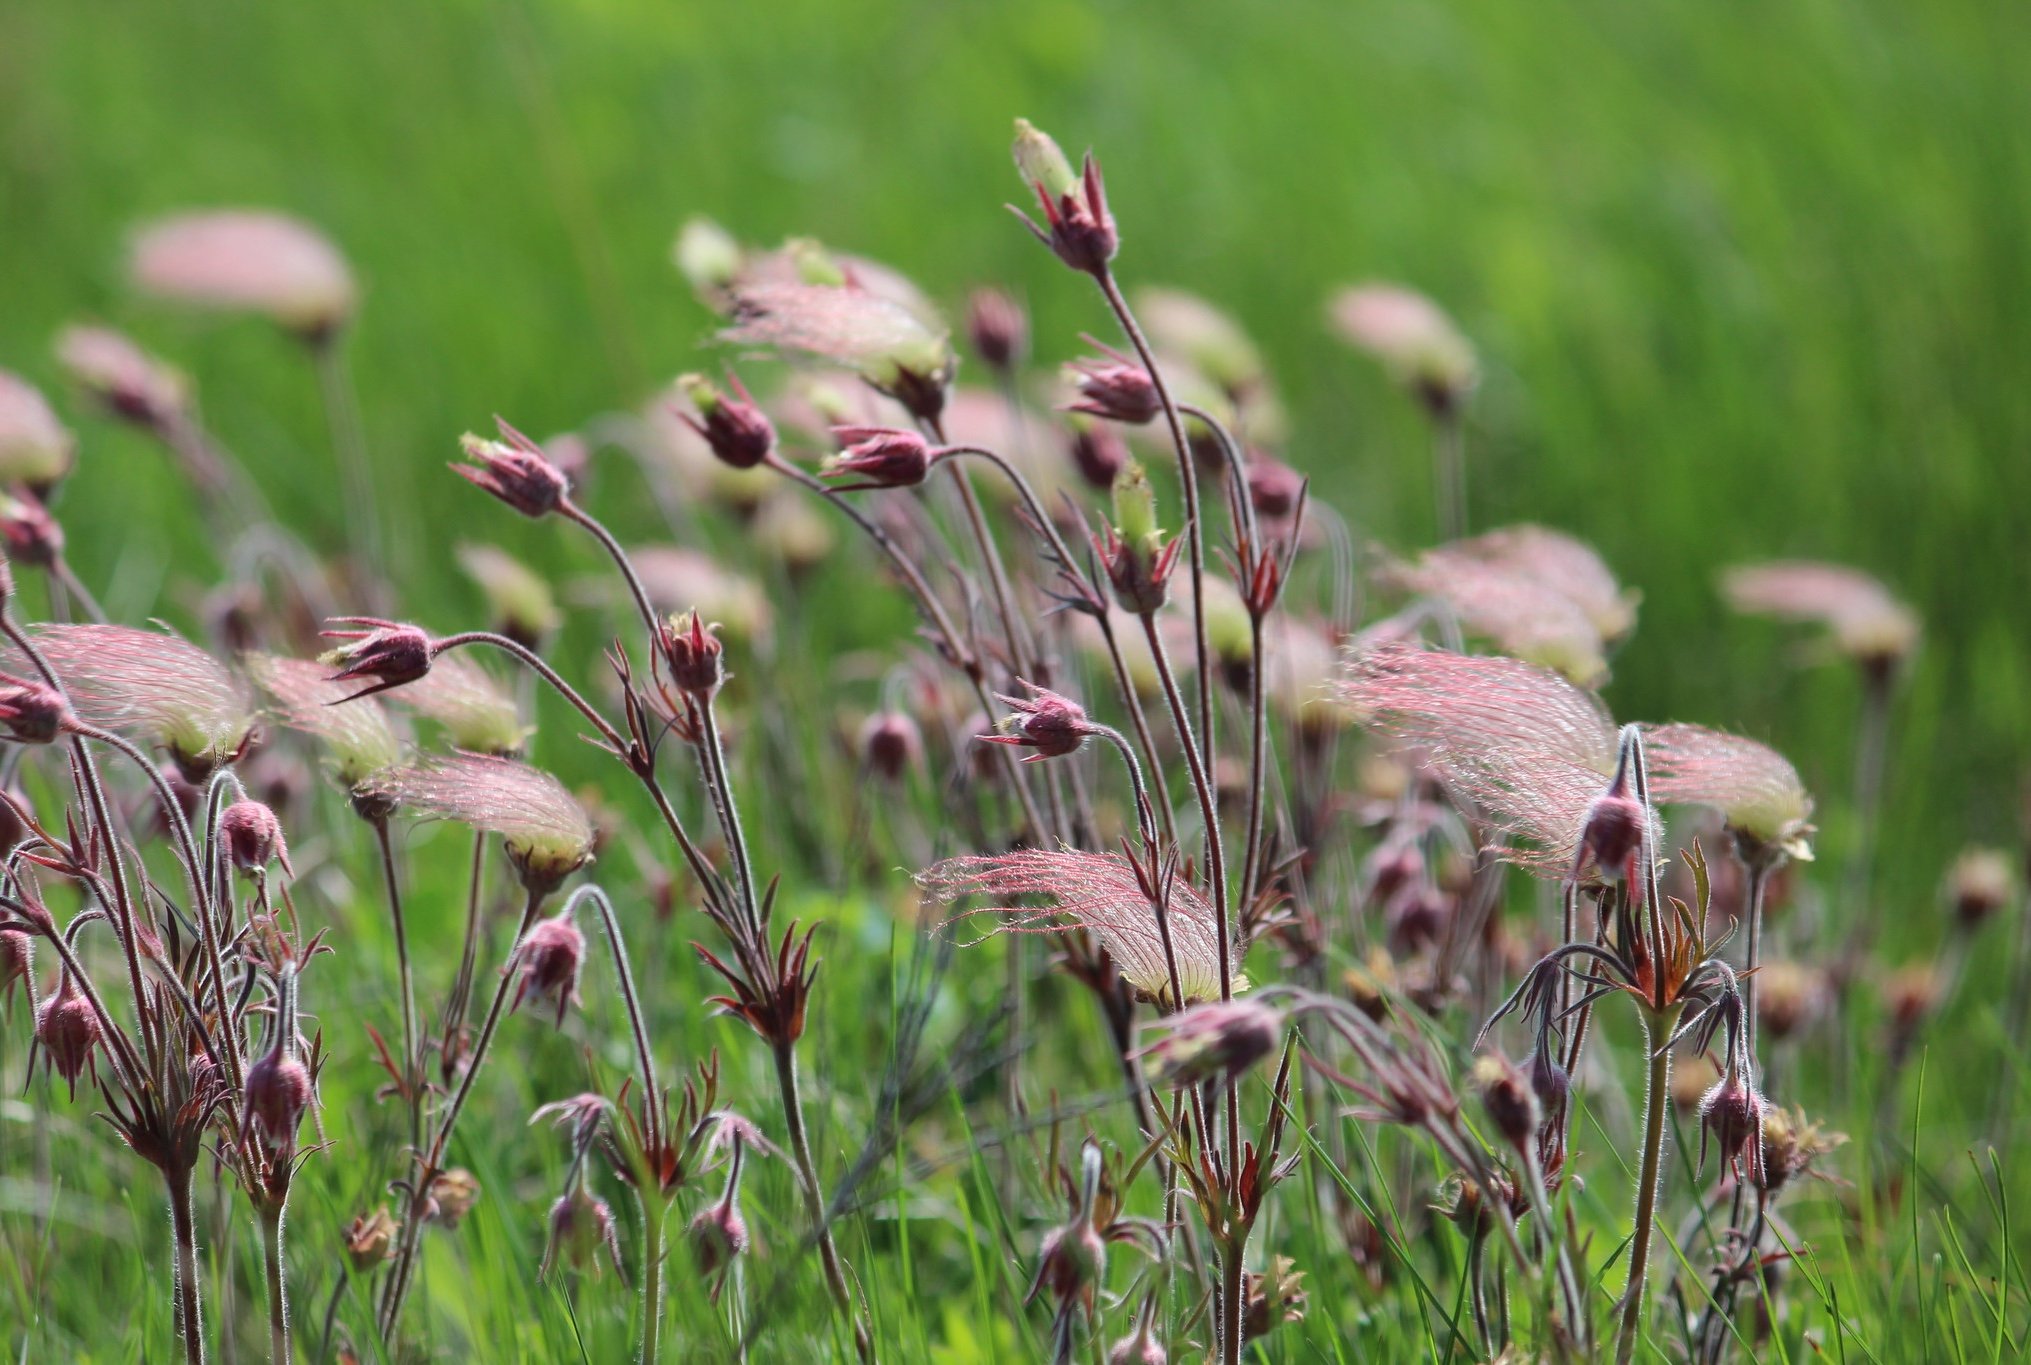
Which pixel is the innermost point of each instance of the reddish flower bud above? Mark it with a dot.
(17, 962)
(998, 328)
(1216, 1041)
(388, 652)
(31, 713)
(370, 1240)
(1117, 388)
(1980, 883)
(1732, 1114)
(28, 532)
(515, 470)
(880, 457)
(581, 1227)
(278, 1091)
(891, 744)
(738, 431)
(1507, 1096)
(718, 1235)
(550, 957)
(68, 1031)
(452, 1196)
(253, 838)
(1078, 228)
(1098, 452)
(1051, 724)
(692, 654)
(1274, 487)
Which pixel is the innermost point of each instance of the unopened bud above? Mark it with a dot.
(28, 533)
(1097, 451)
(278, 1091)
(1116, 388)
(879, 457)
(1507, 1096)
(550, 957)
(581, 1227)
(452, 1196)
(253, 838)
(998, 328)
(68, 1030)
(692, 654)
(31, 713)
(1215, 1041)
(515, 470)
(370, 1240)
(1981, 883)
(891, 744)
(738, 431)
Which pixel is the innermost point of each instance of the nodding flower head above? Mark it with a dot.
(278, 1091)
(879, 457)
(1217, 1041)
(31, 713)
(1510, 1099)
(893, 349)
(370, 1240)
(998, 328)
(1980, 883)
(1616, 820)
(357, 737)
(515, 470)
(1115, 387)
(1732, 1115)
(718, 1236)
(737, 430)
(1412, 337)
(1865, 622)
(550, 957)
(476, 711)
(246, 261)
(1097, 452)
(1753, 787)
(17, 962)
(1051, 724)
(152, 687)
(581, 1230)
(547, 834)
(1078, 228)
(1274, 487)
(1210, 340)
(35, 449)
(891, 745)
(28, 532)
(1519, 614)
(1103, 894)
(1790, 1143)
(68, 1030)
(253, 838)
(122, 378)
(386, 653)
(692, 655)
(707, 256)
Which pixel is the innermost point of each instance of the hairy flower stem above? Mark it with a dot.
(1233, 1299)
(1657, 1029)
(183, 1228)
(1449, 472)
(1258, 761)
(1756, 881)
(712, 759)
(785, 1054)
(1209, 808)
(572, 512)
(412, 1087)
(1189, 489)
(456, 1004)
(278, 1298)
(655, 1215)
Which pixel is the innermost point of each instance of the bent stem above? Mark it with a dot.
(1657, 1029)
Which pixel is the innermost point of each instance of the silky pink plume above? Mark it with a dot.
(1520, 615)
(1412, 336)
(851, 326)
(1865, 620)
(355, 731)
(1754, 787)
(548, 834)
(1097, 892)
(1561, 564)
(150, 686)
(246, 261)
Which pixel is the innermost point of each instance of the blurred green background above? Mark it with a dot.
(1750, 278)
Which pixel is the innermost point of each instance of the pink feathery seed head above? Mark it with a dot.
(358, 737)
(1216, 1041)
(35, 448)
(1752, 786)
(1115, 387)
(1078, 227)
(1519, 614)
(253, 838)
(246, 261)
(387, 653)
(68, 1030)
(1052, 724)
(515, 470)
(998, 328)
(1866, 622)
(550, 957)
(121, 378)
(28, 533)
(581, 1229)
(547, 833)
(1098, 892)
(1098, 452)
(692, 654)
(891, 744)
(1560, 564)
(879, 457)
(735, 428)
(891, 348)
(17, 962)
(474, 709)
(1516, 742)
(30, 712)
(278, 1091)
(152, 687)
(1413, 338)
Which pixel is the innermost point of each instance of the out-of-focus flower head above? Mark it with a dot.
(1216, 345)
(35, 448)
(152, 687)
(1100, 893)
(1753, 787)
(1413, 338)
(581, 1230)
(251, 261)
(547, 833)
(477, 712)
(122, 378)
(356, 735)
(1215, 1041)
(998, 328)
(888, 346)
(1520, 615)
(1561, 564)
(1865, 621)
(1981, 882)
(519, 600)
(28, 533)
(707, 255)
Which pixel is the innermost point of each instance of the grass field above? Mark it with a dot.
(1747, 282)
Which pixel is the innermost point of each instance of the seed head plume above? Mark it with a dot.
(1560, 564)
(476, 711)
(548, 834)
(245, 261)
(35, 449)
(885, 343)
(1867, 623)
(1755, 788)
(1413, 338)
(357, 736)
(150, 686)
(1520, 614)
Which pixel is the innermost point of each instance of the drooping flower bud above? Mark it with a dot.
(1097, 451)
(452, 1196)
(891, 744)
(515, 470)
(550, 957)
(387, 652)
(1216, 1041)
(692, 654)
(278, 1091)
(998, 329)
(370, 1240)
(1613, 833)
(1115, 387)
(122, 378)
(1078, 227)
(247, 261)
(1732, 1115)
(738, 431)
(31, 713)
(1980, 883)
(581, 1227)
(253, 838)
(707, 255)
(28, 533)
(718, 1235)
(879, 457)
(17, 962)
(1274, 487)
(1051, 724)
(1141, 1346)
(1507, 1096)
(68, 1030)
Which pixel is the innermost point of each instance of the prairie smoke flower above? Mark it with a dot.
(246, 261)
(253, 838)
(515, 470)
(737, 431)
(452, 1196)
(998, 328)
(1561, 565)
(68, 1030)
(1732, 1114)
(550, 958)
(1097, 451)
(389, 653)
(879, 457)
(679, 580)
(278, 1091)
(891, 744)
(1115, 387)
(28, 533)
(693, 658)
(357, 736)
(1216, 1041)
(1512, 1104)
(547, 833)
(1051, 724)
(1790, 997)
(17, 962)
(1214, 343)
(1275, 1296)
(1866, 623)
(1520, 615)
(122, 378)
(1100, 893)
(891, 348)
(31, 713)
(1412, 337)
(1274, 487)
(1133, 552)
(152, 687)
(1753, 787)
(581, 1228)
(1078, 228)
(519, 599)
(370, 1240)
(35, 449)
(1980, 883)
(1791, 1143)
(474, 709)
